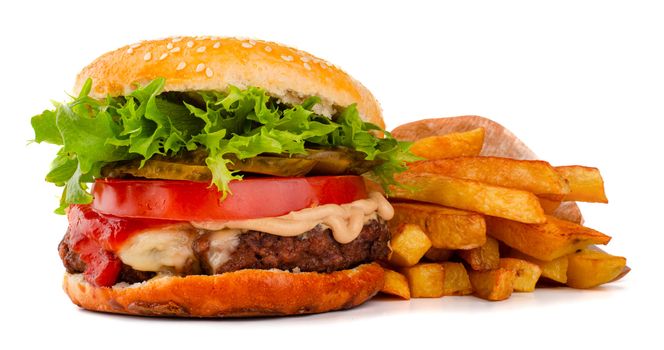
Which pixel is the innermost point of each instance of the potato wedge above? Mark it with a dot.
(456, 280)
(548, 205)
(555, 270)
(585, 184)
(409, 244)
(457, 144)
(527, 273)
(590, 268)
(438, 254)
(485, 257)
(447, 228)
(425, 280)
(534, 176)
(493, 285)
(396, 284)
(470, 195)
(547, 241)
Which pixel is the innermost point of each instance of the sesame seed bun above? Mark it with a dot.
(233, 294)
(209, 63)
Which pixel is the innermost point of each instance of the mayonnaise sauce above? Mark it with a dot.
(345, 220)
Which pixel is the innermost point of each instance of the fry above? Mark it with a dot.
(585, 184)
(438, 254)
(471, 195)
(527, 273)
(549, 206)
(409, 244)
(485, 257)
(425, 280)
(555, 270)
(534, 176)
(589, 268)
(456, 280)
(457, 144)
(447, 228)
(493, 285)
(396, 284)
(546, 241)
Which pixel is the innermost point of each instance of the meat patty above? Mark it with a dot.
(315, 250)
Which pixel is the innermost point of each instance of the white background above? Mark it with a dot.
(580, 82)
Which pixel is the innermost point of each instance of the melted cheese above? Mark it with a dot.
(168, 249)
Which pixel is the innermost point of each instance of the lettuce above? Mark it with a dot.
(243, 123)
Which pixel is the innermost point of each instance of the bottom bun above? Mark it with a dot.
(233, 294)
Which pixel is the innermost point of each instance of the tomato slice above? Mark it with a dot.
(198, 201)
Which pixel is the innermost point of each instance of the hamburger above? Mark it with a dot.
(220, 177)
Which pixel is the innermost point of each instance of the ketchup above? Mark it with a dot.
(96, 237)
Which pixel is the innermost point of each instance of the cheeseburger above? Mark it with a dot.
(217, 177)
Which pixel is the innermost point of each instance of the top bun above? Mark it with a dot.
(211, 63)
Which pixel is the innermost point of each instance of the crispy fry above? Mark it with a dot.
(409, 244)
(457, 144)
(527, 273)
(471, 195)
(555, 270)
(485, 257)
(439, 254)
(549, 206)
(589, 268)
(425, 280)
(493, 285)
(396, 284)
(534, 176)
(547, 241)
(456, 280)
(585, 184)
(447, 228)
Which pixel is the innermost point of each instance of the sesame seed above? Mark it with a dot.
(201, 49)
(307, 66)
(147, 56)
(190, 43)
(175, 49)
(200, 67)
(169, 46)
(163, 55)
(135, 46)
(216, 45)
(286, 58)
(247, 45)
(268, 49)
(305, 59)
(323, 65)
(200, 38)
(214, 38)
(208, 72)
(130, 50)
(252, 42)
(176, 39)
(181, 66)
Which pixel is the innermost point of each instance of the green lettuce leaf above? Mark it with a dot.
(239, 123)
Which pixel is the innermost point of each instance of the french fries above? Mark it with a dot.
(589, 268)
(546, 241)
(425, 280)
(458, 144)
(396, 284)
(533, 176)
(493, 285)
(470, 195)
(447, 228)
(555, 270)
(485, 257)
(527, 273)
(409, 244)
(585, 184)
(456, 281)
(497, 221)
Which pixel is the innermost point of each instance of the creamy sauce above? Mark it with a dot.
(345, 220)
(168, 249)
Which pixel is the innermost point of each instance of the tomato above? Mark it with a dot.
(198, 201)
(95, 237)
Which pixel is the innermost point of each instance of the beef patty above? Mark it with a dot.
(315, 250)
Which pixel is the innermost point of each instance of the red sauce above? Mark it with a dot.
(96, 237)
